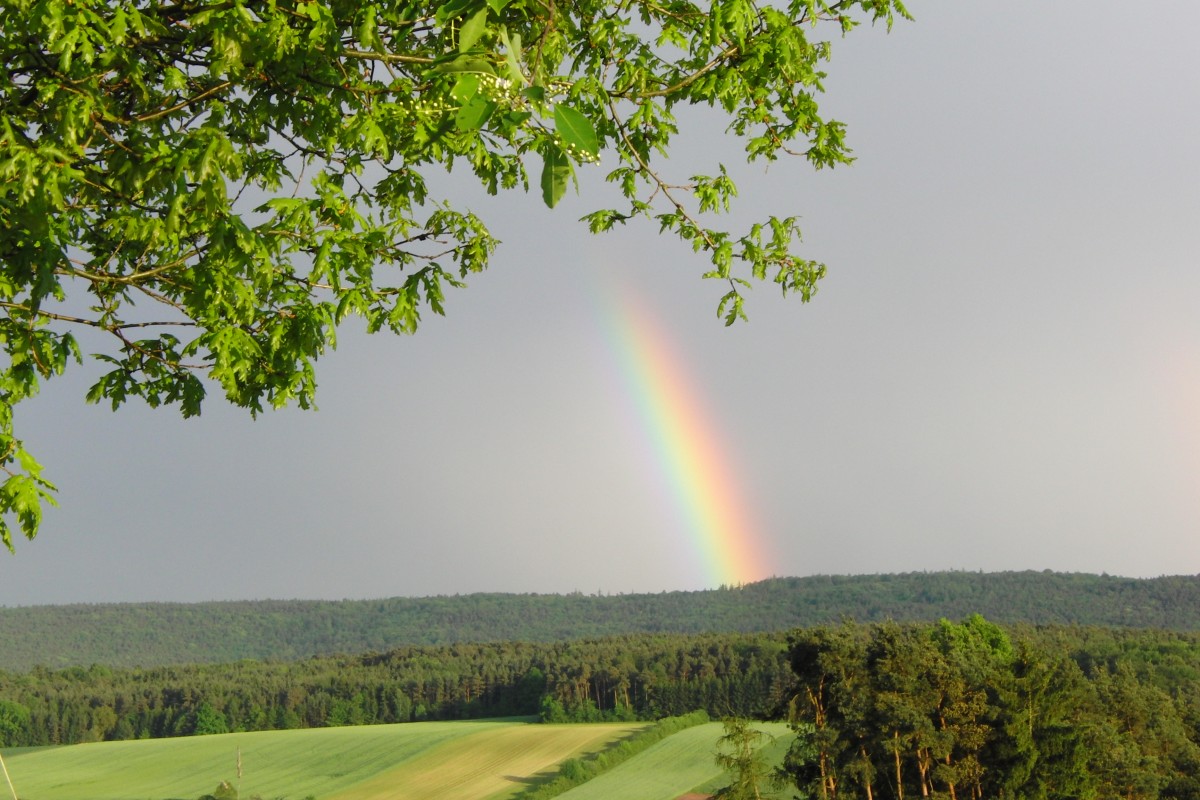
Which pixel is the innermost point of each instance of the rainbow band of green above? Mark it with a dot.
(706, 493)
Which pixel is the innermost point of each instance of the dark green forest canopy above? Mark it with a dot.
(622, 677)
(973, 710)
(164, 633)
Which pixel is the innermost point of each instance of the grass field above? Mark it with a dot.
(678, 764)
(452, 760)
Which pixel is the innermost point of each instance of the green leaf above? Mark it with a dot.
(576, 130)
(498, 5)
(472, 30)
(368, 29)
(512, 55)
(731, 308)
(174, 79)
(517, 117)
(556, 171)
(465, 88)
(29, 463)
(453, 9)
(465, 63)
(474, 115)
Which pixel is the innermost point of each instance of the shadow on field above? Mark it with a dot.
(531, 782)
(528, 780)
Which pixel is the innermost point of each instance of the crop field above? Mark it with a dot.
(451, 760)
(678, 764)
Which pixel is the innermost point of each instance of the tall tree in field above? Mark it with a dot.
(739, 753)
(214, 185)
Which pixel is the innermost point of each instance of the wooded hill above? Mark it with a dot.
(152, 634)
(941, 710)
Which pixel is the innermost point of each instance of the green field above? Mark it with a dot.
(678, 764)
(463, 760)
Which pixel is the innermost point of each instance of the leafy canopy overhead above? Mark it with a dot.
(139, 139)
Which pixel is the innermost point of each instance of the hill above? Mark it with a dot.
(152, 634)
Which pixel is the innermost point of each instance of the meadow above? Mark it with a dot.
(467, 760)
(677, 765)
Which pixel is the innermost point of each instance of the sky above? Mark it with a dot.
(1000, 372)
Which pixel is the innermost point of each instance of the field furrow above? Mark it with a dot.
(489, 764)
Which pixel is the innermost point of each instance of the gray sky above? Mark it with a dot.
(1001, 372)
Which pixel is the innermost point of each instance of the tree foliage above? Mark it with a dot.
(14, 723)
(740, 754)
(618, 678)
(965, 711)
(214, 185)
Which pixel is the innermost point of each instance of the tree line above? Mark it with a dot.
(153, 634)
(629, 677)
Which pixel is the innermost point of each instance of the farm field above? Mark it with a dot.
(678, 764)
(465, 760)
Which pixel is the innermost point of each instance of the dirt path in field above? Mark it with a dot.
(490, 763)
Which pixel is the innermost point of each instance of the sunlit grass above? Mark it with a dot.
(485, 758)
(679, 764)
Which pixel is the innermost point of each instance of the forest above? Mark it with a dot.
(948, 710)
(971, 711)
(155, 634)
(627, 677)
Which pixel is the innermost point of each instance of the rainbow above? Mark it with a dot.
(705, 492)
